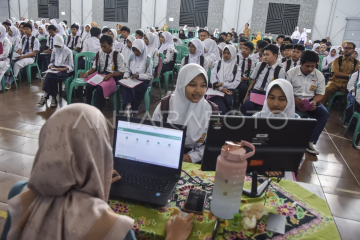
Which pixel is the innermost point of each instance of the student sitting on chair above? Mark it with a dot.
(21, 29)
(342, 67)
(355, 77)
(187, 105)
(90, 45)
(44, 59)
(295, 57)
(280, 40)
(211, 52)
(241, 44)
(287, 53)
(5, 50)
(139, 67)
(139, 34)
(176, 39)
(204, 35)
(309, 83)
(127, 50)
(247, 66)
(279, 101)
(287, 40)
(62, 61)
(263, 74)
(150, 41)
(110, 63)
(105, 31)
(221, 47)
(328, 61)
(52, 206)
(196, 55)
(14, 38)
(125, 32)
(258, 55)
(168, 49)
(42, 32)
(73, 40)
(281, 53)
(86, 34)
(117, 46)
(28, 50)
(225, 77)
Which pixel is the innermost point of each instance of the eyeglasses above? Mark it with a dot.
(348, 48)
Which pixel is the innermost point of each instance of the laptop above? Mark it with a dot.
(148, 158)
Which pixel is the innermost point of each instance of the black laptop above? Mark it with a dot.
(148, 157)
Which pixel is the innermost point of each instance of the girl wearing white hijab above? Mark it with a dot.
(176, 39)
(14, 38)
(152, 50)
(186, 30)
(36, 26)
(43, 21)
(62, 61)
(296, 35)
(5, 49)
(303, 37)
(86, 34)
(139, 67)
(42, 32)
(221, 47)
(323, 51)
(211, 52)
(316, 48)
(127, 50)
(216, 33)
(196, 52)
(117, 46)
(168, 49)
(327, 62)
(187, 105)
(279, 101)
(225, 77)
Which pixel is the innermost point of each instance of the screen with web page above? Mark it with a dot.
(148, 144)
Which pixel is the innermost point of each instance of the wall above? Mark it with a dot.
(236, 14)
(64, 6)
(306, 15)
(4, 9)
(76, 11)
(134, 18)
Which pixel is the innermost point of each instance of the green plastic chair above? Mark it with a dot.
(28, 69)
(337, 94)
(320, 62)
(147, 96)
(167, 75)
(303, 114)
(9, 70)
(356, 115)
(74, 53)
(70, 82)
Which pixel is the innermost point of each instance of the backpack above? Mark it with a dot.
(31, 42)
(115, 54)
(148, 59)
(340, 63)
(202, 59)
(283, 60)
(233, 72)
(262, 67)
(288, 65)
(165, 107)
(76, 40)
(249, 64)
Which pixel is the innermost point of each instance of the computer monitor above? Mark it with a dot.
(279, 143)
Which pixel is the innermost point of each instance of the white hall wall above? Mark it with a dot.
(236, 14)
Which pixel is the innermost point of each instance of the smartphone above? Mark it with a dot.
(195, 201)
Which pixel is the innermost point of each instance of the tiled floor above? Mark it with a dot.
(336, 169)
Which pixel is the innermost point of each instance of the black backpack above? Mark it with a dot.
(31, 42)
(115, 54)
(249, 64)
(234, 70)
(283, 60)
(340, 63)
(165, 107)
(288, 65)
(202, 59)
(76, 40)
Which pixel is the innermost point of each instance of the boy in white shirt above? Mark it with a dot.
(90, 45)
(295, 57)
(73, 40)
(287, 52)
(246, 65)
(257, 56)
(125, 32)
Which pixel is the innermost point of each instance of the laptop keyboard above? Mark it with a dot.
(147, 182)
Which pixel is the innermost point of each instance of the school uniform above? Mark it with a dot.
(5, 50)
(307, 87)
(117, 46)
(26, 49)
(255, 58)
(282, 60)
(197, 58)
(351, 95)
(105, 65)
(168, 49)
(247, 66)
(85, 35)
(143, 66)
(152, 49)
(211, 52)
(90, 45)
(289, 64)
(60, 58)
(123, 40)
(126, 52)
(73, 42)
(15, 38)
(262, 80)
(228, 73)
(296, 36)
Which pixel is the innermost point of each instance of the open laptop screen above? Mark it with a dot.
(147, 144)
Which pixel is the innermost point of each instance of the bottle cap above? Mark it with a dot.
(236, 217)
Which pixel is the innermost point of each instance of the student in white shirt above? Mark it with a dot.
(73, 40)
(44, 59)
(86, 34)
(186, 30)
(309, 83)
(90, 45)
(225, 77)
(28, 50)
(351, 96)
(125, 32)
(247, 66)
(176, 39)
(127, 50)
(168, 49)
(36, 28)
(150, 40)
(295, 36)
(42, 33)
(187, 105)
(14, 38)
(211, 52)
(139, 34)
(263, 74)
(294, 61)
(5, 50)
(287, 53)
(280, 40)
(327, 62)
(279, 101)
(303, 37)
(117, 46)
(139, 67)
(258, 55)
(221, 47)
(62, 60)
(196, 55)
(108, 62)
(240, 46)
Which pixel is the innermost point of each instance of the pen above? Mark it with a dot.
(215, 229)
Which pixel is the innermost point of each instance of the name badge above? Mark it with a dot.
(312, 88)
(112, 68)
(202, 138)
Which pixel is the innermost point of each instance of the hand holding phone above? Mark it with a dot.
(195, 201)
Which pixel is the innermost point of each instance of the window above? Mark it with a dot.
(48, 8)
(282, 18)
(194, 12)
(116, 10)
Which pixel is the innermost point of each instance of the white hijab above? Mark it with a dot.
(216, 31)
(296, 32)
(152, 43)
(86, 34)
(15, 35)
(211, 49)
(304, 34)
(329, 58)
(182, 108)
(127, 51)
(206, 28)
(2, 34)
(176, 36)
(169, 43)
(315, 46)
(44, 32)
(289, 110)
(69, 197)
(185, 28)
(138, 64)
(195, 58)
(197, 28)
(115, 35)
(226, 68)
(221, 46)
(60, 53)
